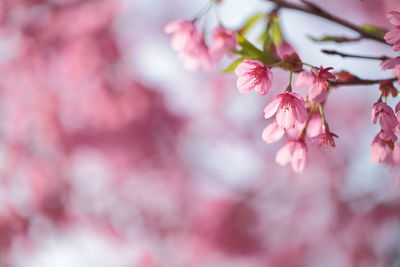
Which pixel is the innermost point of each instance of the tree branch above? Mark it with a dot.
(333, 52)
(358, 81)
(313, 9)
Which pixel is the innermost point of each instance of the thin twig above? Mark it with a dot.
(358, 81)
(317, 11)
(333, 52)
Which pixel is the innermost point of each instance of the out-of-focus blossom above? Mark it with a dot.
(393, 37)
(314, 127)
(294, 152)
(325, 140)
(390, 63)
(272, 133)
(190, 44)
(222, 42)
(182, 33)
(381, 146)
(284, 50)
(253, 74)
(289, 108)
(385, 114)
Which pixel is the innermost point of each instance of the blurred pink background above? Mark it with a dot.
(113, 155)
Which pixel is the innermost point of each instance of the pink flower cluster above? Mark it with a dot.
(193, 50)
(289, 110)
(393, 38)
(319, 80)
(384, 147)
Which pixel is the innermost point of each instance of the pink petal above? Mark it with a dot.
(304, 78)
(247, 65)
(393, 17)
(272, 107)
(245, 84)
(299, 157)
(390, 63)
(285, 118)
(272, 133)
(314, 127)
(301, 113)
(264, 86)
(317, 93)
(284, 155)
(392, 36)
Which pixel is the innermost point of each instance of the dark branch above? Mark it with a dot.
(311, 8)
(333, 52)
(358, 81)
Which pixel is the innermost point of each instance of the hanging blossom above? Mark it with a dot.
(325, 139)
(223, 42)
(393, 37)
(293, 152)
(392, 64)
(283, 51)
(253, 74)
(385, 114)
(272, 133)
(190, 44)
(289, 108)
(382, 145)
(314, 126)
(319, 79)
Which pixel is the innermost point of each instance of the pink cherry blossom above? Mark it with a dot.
(196, 56)
(285, 49)
(182, 32)
(253, 74)
(223, 41)
(314, 127)
(317, 93)
(304, 78)
(385, 115)
(272, 133)
(381, 147)
(325, 140)
(390, 63)
(393, 17)
(190, 44)
(393, 37)
(289, 108)
(319, 79)
(295, 152)
(323, 76)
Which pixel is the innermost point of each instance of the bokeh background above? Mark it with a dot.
(113, 155)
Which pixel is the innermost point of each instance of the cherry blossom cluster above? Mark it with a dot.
(300, 118)
(192, 48)
(384, 148)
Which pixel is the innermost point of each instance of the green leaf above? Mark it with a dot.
(248, 49)
(276, 32)
(232, 67)
(251, 22)
(374, 30)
